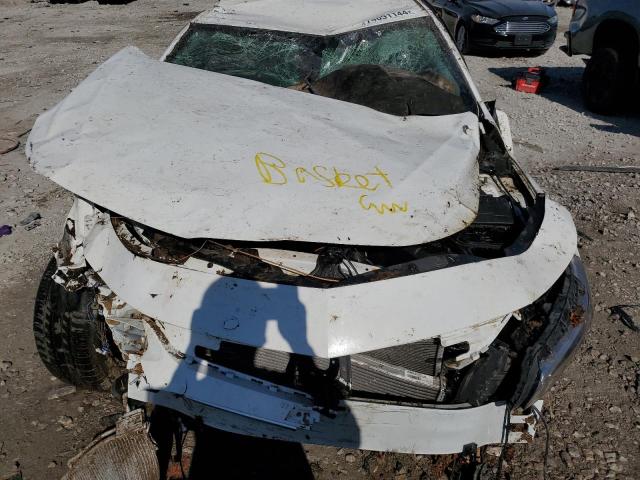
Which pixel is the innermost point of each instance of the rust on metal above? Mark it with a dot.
(576, 316)
(137, 369)
(161, 336)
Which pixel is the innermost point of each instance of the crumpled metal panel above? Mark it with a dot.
(126, 451)
(242, 160)
(338, 321)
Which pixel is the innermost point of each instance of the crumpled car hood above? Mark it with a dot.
(199, 154)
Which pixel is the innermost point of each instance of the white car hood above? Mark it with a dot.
(200, 154)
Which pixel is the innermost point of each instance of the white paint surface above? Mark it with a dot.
(337, 321)
(187, 152)
(318, 17)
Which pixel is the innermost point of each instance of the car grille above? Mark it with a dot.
(510, 44)
(523, 28)
(409, 371)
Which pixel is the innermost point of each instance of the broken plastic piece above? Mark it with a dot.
(5, 230)
(624, 317)
(125, 451)
(61, 392)
(32, 217)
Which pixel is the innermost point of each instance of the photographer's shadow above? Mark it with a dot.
(245, 312)
(252, 314)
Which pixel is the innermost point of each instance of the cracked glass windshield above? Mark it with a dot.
(401, 68)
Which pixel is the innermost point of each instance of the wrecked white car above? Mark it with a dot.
(304, 224)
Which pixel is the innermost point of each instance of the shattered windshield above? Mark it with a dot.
(405, 62)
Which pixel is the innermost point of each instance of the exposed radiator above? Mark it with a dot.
(409, 371)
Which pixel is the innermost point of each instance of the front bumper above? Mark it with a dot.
(484, 37)
(240, 404)
(568, 321)
(160, 313)
(232, 401)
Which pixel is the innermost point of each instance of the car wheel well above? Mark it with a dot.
(616, 34)
(460, 25)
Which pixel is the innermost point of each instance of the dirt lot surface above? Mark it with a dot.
(594, 409)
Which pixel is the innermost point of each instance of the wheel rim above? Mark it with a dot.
(461, 38)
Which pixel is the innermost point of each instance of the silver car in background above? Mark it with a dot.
(610, 33)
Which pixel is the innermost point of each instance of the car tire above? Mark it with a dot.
(68, 336)
(462, 39)
(607, 81)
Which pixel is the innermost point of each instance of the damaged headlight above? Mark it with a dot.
(569, 320)
(520, 365)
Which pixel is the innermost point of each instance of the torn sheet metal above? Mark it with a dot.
(126, 324)
(339, 321)
(237, 159)
(310, 16)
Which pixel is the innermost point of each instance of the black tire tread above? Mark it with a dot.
(610, 99)
(66, 336)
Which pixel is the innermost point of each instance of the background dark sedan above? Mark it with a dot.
(499, 24)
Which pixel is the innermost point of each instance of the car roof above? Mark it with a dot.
(317, 17)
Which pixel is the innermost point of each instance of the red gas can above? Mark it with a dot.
(531, 81)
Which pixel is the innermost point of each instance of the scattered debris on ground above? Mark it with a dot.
(61, 392)
(125, 451)
(32, 217)
(618, 312)
(31, 221)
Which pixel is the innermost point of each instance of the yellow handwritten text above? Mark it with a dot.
(382, 208)
(267, 166)
(275, 171)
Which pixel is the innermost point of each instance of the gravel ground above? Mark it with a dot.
(593, 410)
